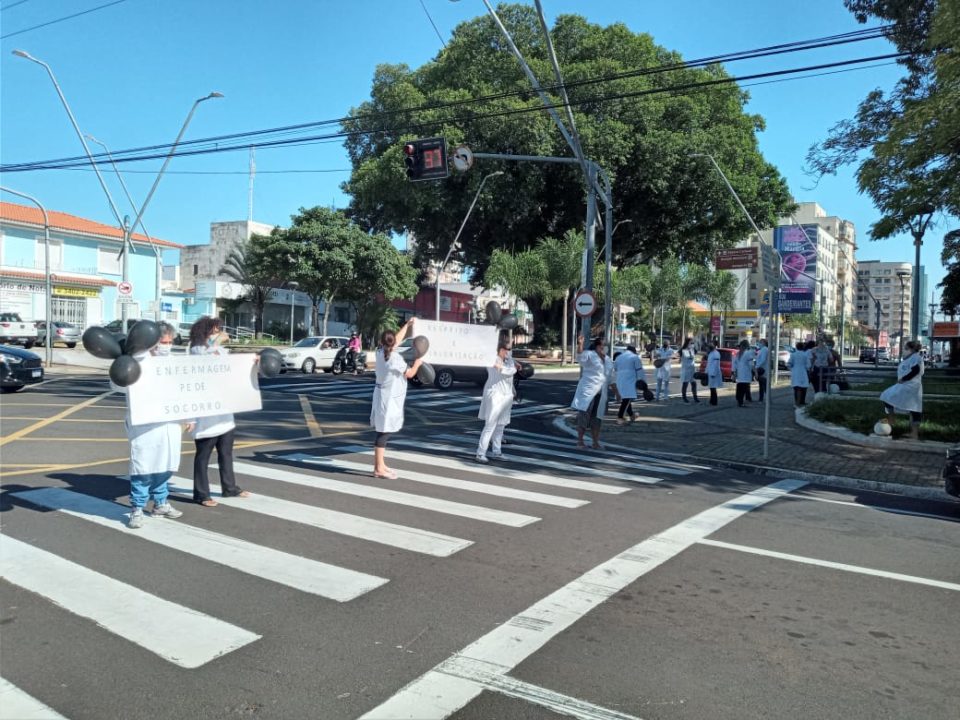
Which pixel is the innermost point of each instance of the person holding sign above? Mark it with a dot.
(496, 403)
(214, 431)
(154, 451)
(389, 394)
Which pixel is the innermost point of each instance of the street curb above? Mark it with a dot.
(871, 441)
(847, 483)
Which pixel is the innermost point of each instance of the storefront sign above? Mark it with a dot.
(80, 292)
(193, 386)
(458, 343)
(21, 287)
(944, 330)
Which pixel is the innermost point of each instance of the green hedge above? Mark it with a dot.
(941, 419)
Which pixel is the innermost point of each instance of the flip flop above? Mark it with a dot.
(389, 475)
(209, 503)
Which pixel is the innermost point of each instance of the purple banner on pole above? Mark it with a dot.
(797, 245)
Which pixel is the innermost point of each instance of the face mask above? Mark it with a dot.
(161, 350)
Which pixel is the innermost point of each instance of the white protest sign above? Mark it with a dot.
(458, 343)
(193, 386)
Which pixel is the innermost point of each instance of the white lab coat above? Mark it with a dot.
(906, 397)
(799, 364)
(714, 373)
(154, 447)
(763, 357)
(629, 371)
(498, 393)
(687, 361)
(595, 376)
(212, 425)
(744, 371)
(389, 394)
(663, 372)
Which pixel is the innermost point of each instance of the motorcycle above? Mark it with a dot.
(349, 362)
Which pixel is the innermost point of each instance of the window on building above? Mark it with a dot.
(753, 286)
(196, 269)
(108, 260)
(56, 254)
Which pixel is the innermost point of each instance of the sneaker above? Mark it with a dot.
(166, 510)
(496, 456)
(481, 459)
(136, 518)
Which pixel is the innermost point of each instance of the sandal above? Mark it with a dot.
(209, 502)
(388, 475)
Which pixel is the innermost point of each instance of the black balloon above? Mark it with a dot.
(493, 312)
(144, 335)
(507, 322)
(420, 346)
(271, 362)
(526, 371)
(124, 371)
(426, 374)
(100, 343)
(648, 395)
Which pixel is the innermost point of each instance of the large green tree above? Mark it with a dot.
(640, 125)
(249, 264)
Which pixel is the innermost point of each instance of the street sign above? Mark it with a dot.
(125, 288)
(463, 158)
(741, 258)
(166, 307)
(585, 304)
(126, 300)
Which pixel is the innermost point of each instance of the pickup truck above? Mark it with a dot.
(14, 331)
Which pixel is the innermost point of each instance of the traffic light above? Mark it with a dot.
(426, 159)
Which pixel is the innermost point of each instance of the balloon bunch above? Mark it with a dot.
(496, 317)
(645, 390)
(125, 370)
(271, 362)
(425, 374)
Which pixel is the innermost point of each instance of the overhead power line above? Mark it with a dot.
(58, 20)
(13, 5)
(796, 46)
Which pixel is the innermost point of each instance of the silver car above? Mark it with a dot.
(63, 332)
(313, 353)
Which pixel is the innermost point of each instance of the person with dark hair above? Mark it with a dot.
(688, 357)
(799, 364)
(389, 394)
(497, 399)
(714, 373)
(213, 431)
(744, 373)
(629, 373)
(906, 395)
(590, 399)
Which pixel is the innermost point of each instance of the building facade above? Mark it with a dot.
(204, 262)
(85, 268)
(890, 284)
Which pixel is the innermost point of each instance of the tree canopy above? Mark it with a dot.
(638, 120)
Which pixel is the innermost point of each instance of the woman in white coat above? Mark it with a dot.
(714, 373)
(154, 451)
(630, 372)
(590, 399)
(906, 396)
(496, 403)
(688, 358)
(799, 364)
(743, 369)
(664, 356)
(389, 394)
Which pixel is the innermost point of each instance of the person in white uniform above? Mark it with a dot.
(629, 372)
(389, 394)
(688, 359)
(799, 364)
(496, 403)
(154, 451)
(743, 369)
(665, 357)
(590, 398)
(906, 396)
(763, 369)
(714, 373)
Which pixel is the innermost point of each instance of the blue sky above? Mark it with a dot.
(131, 72)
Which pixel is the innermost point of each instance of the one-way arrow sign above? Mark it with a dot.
(585, 304)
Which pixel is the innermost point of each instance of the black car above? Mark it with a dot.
(18, 367)
(447, 375)
(868, 355)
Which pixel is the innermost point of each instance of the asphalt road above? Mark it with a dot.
(551, 584)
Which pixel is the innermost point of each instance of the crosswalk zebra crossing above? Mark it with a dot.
(559, 483)
(456, 400)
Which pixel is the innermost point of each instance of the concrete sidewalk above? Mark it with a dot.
(731, 434)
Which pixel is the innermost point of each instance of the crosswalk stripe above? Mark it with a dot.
(468, 485)
(554, 452)
(448, 507)
(333, 393)
(384, 533)
(497, 471)
(182, 636)
(300, 573)
(534, 409)
(451, 400)
(563, 466)
(15, 704)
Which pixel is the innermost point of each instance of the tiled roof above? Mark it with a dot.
(28, 215)
(59, 277)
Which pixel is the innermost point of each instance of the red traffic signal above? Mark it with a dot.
(426, 159)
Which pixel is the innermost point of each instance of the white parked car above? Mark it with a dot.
(313, 353)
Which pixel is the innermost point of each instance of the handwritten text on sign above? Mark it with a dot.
(193, 386)
(458, 343)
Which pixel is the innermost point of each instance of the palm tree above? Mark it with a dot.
(562, 260)
(719, 290)
(244, 267)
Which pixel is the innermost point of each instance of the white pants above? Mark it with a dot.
(492, 431)
(663, 388)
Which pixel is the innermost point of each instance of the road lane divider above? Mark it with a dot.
(23, 432)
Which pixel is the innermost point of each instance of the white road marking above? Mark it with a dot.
(442, 691)
(881, 508)
(468, 485)
(424, 502)
(495, 470)
(300, 573)
(833, 565)
(185, 637)
(408, 538)
(514, 458)
(554, 452)
(15, 704)
(534, 409)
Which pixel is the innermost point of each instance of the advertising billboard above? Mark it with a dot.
(797, 245)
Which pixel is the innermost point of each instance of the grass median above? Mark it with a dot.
(938, 386)
(941, 419)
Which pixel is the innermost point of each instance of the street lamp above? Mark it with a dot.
(293, 285)
(901, 274)
(457, 238)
